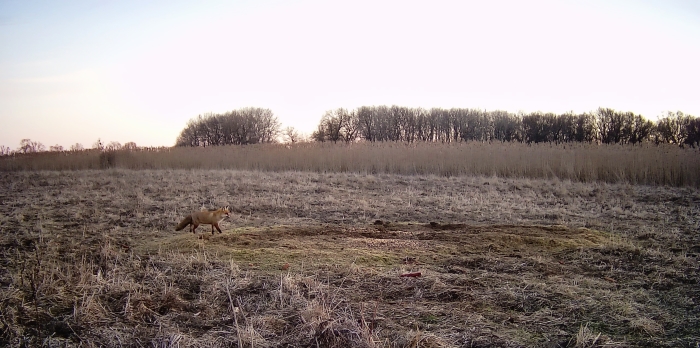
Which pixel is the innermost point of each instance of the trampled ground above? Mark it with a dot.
(90, 258)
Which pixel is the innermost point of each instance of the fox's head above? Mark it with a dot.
(226, 210)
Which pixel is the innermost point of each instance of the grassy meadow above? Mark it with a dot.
(516, 246)
(645, 164)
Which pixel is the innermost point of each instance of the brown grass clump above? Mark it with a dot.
(586, 338)
(90, 258)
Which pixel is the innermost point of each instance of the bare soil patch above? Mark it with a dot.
(90, 258)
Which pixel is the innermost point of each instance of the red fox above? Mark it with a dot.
(212, 217)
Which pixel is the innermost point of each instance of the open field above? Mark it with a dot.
(91, 258)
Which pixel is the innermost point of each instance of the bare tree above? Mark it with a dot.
(319, 134)
(338, 125)
(56, 148)
(330, 127)
(5, 150)
(641, 129)
(693, 130)
(291, 135)
(77, 147)
(29, 146)
(673, 128)
(506, 126)
(538, 127)
(113, 146)
(189, 136)
(585, 128)
(615, 127)
(130, 146)
(351, 125)
(98, 145)
(25, 146)
(397, 123)
(237, 127)
(366, 117)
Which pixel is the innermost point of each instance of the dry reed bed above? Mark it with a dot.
(645, 164)
(89, 258)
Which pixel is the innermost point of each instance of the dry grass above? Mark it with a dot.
(90, 258)
(647, 164)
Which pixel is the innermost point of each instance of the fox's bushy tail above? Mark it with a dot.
(184, 223)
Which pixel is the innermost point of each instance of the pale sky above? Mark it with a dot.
(75, 71)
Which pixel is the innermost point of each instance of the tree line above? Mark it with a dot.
(28, 146)
(604, 125)
(404, 124)
(238, 127)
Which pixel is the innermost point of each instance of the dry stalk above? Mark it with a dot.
(233, 311)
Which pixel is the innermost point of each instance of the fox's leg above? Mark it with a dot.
(217, 228)
(194, 227)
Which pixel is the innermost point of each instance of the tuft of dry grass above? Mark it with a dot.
(644, 164)
(90, 258)
(586, 338)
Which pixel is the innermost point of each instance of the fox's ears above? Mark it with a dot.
(227, 208)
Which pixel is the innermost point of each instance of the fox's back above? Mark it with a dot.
(208, 217)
